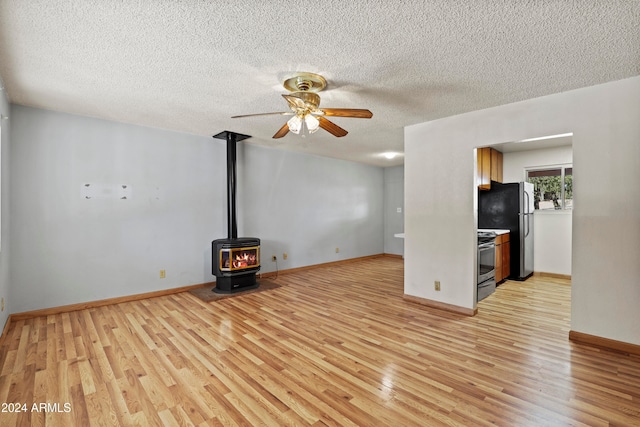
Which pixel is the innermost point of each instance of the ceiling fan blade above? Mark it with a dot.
(347, 112)
(331, 127)
(282, 113)
(282, 131)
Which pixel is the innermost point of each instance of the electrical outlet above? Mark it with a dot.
(163, 274)
(2, 304)
(436, 285)
(285, 256)
(337, 250)
(273, 258)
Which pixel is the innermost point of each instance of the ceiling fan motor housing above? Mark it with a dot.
(311, 99)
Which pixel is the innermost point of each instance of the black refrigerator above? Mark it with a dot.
(510, 207)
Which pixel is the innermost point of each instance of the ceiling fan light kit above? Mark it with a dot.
(304, 103)
(303, 126)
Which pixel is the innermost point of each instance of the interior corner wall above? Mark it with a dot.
(314, 209)
(393, 201)
(440, 201)
(5, 232)
(67, 248)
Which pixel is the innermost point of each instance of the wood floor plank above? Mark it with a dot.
(332, 346)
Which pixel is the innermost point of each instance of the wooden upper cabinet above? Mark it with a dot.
(484, 168)
(496, 165)
(489, 167)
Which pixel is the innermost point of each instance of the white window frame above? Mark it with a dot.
(563, 167)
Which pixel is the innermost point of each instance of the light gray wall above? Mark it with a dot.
(69, 249)
(5, 236)
(440, 200)
(307, 206)
(393, 200)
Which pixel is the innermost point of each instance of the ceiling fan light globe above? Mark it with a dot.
(311, 123)
(295, 124)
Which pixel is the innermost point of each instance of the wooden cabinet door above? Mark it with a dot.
(484, 168)
(506, 259)
(496, 165)
(489, 165)
(499, 264)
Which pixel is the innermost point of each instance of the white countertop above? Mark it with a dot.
(497, 231)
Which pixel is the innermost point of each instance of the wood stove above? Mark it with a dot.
(235, 261)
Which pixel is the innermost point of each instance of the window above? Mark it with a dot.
(552, 187)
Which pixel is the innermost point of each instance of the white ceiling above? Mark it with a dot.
(190, 65)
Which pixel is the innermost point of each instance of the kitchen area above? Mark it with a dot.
(548, 231)
(507, 227)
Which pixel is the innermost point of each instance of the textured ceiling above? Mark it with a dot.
(190, 65)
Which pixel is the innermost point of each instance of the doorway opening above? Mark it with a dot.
(547, 164)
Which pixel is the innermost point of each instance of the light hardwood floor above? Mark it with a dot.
(332, 346)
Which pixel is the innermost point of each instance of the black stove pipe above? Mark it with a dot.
(232, 221)
(232, 138)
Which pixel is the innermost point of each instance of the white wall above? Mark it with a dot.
(393, 200)
(515, 163)
(551, 229)
(552, 237)
(69, 249)
(5, 237)
(440, 201)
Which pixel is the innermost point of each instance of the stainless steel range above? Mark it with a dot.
(486, 264)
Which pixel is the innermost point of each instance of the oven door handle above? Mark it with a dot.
(486, 245)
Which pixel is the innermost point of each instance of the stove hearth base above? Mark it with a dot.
(236, 283)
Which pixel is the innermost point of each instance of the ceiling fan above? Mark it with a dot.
(304, 103)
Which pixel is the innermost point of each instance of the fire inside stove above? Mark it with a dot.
(232, 259)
